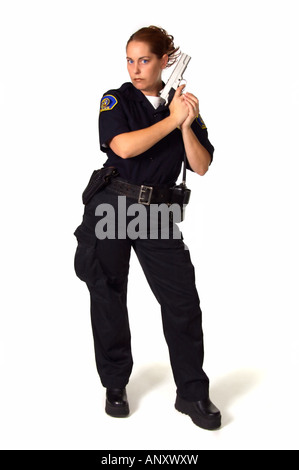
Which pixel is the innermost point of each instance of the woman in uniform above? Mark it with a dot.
(145, 142)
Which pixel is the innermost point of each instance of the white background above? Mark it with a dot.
(57, 59)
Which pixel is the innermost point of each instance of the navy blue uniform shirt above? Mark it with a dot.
(127, 109)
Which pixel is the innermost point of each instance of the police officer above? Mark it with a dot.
(145, 142)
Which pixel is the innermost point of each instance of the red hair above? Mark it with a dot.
(160, 42)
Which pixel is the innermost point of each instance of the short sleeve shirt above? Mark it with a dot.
(127, 109)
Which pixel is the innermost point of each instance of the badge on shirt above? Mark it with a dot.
(108, 102)
(199, 121)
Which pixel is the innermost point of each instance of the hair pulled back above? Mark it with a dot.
(160, 42)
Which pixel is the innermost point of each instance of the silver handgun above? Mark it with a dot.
(175, 78)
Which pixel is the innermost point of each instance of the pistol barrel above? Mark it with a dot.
(175, 77)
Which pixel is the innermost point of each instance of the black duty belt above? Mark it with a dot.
(142, 194)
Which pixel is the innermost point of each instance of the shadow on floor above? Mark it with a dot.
(223, 391)
(232, 386)
(146, 380)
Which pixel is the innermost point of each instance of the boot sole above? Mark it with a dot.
(117, 411)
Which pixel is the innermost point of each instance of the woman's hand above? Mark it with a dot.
(183, 110)
(193, 110)
(179, 109)
(198, 157)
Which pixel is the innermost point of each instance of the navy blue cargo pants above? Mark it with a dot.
(103, 264)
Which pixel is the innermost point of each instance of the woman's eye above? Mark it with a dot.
(144, 61)
(130, 61)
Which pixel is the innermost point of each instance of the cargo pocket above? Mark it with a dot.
(86, 264)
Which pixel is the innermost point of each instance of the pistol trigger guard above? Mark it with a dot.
(180, 83)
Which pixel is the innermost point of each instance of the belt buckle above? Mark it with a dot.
(142, 192)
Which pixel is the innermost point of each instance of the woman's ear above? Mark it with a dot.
(164, 61)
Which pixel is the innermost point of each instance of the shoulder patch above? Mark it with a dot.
(108, 102)
(199, 121)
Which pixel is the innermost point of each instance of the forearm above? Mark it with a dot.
(198, 157)
(131, 144)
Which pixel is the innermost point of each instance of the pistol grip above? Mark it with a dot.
(171, 95)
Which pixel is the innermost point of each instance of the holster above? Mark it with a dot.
(181, 195)
(98, 180)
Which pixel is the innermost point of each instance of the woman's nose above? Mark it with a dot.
(136, 68)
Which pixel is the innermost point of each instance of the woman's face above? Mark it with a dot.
(145, 68)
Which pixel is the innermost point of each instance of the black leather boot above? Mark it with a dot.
(117, 403)
(203, 413)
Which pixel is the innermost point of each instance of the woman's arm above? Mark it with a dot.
(131, 144)
(198, 157)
